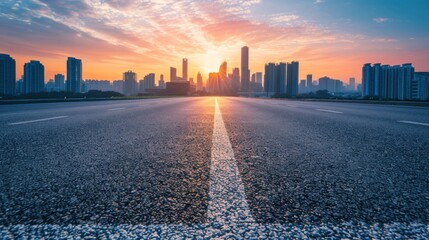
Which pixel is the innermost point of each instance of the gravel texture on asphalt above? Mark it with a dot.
(185, 169)
(146, 165)
(303, 166)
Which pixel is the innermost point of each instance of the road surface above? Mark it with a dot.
(214, 167)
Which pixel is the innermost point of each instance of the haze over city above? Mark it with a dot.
(329, 37)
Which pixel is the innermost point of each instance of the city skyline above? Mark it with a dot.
(274, 32)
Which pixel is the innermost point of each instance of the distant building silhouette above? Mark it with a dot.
(387, 82)
(235, 80)
(185, 69)
(130, 83)
(352, 84)
(148, 82)
(173, 74)
(59, 82)
(275, 79)
(7, 75)
(256, 82)
(292, 79)
(309, 83)
(332, 85)
(219, 83)
(420, 86)
(74, 74)
(245, 72)
(34, 77)
(199, 86)
(118, 86)
(161, 82)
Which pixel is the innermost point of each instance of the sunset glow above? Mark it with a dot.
(329, 37)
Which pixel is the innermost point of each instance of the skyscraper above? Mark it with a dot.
(130, 83)
(34, 77)
(235, 80)
(199, 82)
(74, 75)
(245, 72)
(292, 79)
(7, 75)
(185, 69)
(309, 82)
(59, 82)
(275, 78)
(173, 74)
(352, 84)
(148, 82)
(259, 77)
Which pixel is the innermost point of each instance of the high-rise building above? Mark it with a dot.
(223, 70)
(199, 82)
(275, 78)
(7, 75)
(34, 77)
(185, 69)
(173, 74)
(245, 72)
(74, 75)
(352, 84)
(387, 82)
(219, 83)
(302, 86)
(292, 79)
(59, 82)
(420, 86)
(235, 80)
(309, 82)
(259, 77)
(148, 82)
(130, 83)
(118, 86)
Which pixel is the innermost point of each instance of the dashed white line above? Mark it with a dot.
(115, 109)
(329, 111)
(37, 120)
(415, 123)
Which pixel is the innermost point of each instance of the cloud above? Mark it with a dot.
(380, 20)
(318, 1)
(284, 18)
(384, 40)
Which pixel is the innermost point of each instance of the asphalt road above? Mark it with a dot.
(184, 165)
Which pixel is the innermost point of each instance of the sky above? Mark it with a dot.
(328, 37)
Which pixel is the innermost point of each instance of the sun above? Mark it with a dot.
(211, 61)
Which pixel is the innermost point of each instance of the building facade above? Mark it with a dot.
(130, 83)
(387, 82)
(74, 75)
(7, 75)
(245, 72)
(34, 77)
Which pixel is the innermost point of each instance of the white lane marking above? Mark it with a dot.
(329, 111)
(291, 106)
(227, 198)
(415, 123)
(115, 109)
(37, 120)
